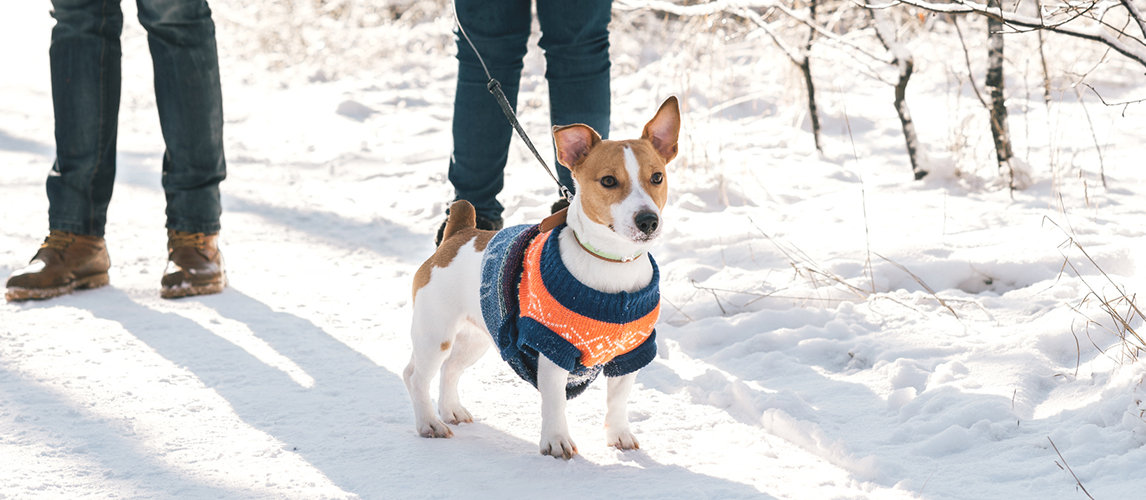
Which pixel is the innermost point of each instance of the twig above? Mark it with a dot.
(796, 256)
(1121, 323)
(897, 301)
(928, 480)
(713, 292)
(761, 296)
(827, 34)
(1077, 348)
(1079, 483)
(1093, 136)
(863, 199)
(677, 308)
(1136, 14)
(921, 283)
(792, 53)
(1136, 52)
(1126, 103)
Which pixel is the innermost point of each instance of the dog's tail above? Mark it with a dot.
(462, 216)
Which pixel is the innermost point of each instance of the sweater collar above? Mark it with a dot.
(620, 307)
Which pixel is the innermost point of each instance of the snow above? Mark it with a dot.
(800, 353)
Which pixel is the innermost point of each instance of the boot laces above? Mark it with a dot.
(58, 240)
(179, 239)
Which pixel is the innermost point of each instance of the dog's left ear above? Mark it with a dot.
(664, 129)
(574, 142)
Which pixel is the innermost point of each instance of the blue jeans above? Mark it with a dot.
(575, 38)
(85, 62)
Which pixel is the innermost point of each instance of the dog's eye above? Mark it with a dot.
(658, 178)
(608, 181)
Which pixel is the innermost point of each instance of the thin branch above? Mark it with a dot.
(863, 199)
(745, 9)
(967, 58)
(1094, 137)
(921, 283)
(713, 292)
(679, 310)
(828, 34)
(1079, 483)
(1126, 103)
(700, 9)
(1137, 53)
(792, 53)
(1136, 14)
(801, 261)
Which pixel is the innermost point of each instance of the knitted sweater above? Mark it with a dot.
(533, 305)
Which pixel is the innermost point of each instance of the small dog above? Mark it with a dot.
(563, 300)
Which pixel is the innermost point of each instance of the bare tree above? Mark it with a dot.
(902, 59)
(994, 85)
(1043, 60)
(805, 64)
(1084, 19)
(800, 57)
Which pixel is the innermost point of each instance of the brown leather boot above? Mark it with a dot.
(66, 261)
(194, 265)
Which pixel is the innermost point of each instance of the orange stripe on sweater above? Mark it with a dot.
(598, 341)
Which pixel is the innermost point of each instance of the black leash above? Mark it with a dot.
(494, 88)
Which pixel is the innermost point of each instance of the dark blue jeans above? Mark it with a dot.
(575, 38)
(85, 61)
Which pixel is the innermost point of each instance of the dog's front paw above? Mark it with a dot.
(434, 428)
(455, 415)
(558, 446)
(621, 438)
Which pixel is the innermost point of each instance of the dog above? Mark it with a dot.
(563, 300)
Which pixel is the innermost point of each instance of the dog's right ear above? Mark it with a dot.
(574, 142)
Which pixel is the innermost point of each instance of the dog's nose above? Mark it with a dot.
(647, 221)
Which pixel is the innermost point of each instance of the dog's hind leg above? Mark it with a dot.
(469, 345)
(432, 336)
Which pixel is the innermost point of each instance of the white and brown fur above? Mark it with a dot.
(448, 329)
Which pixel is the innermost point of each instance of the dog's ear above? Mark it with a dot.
(574, 142)
(664, 129)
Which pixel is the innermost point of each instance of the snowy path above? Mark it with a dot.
(287, 384)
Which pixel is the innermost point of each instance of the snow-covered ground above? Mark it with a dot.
(801, 355)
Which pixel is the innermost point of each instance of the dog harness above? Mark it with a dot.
(533, 305)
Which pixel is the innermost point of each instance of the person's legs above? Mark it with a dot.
(500, 31)
(181, 36)
(575, 37)
(85, 64)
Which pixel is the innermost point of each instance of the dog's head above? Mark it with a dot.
(622, 186)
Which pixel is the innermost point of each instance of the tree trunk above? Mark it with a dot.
(994, 85)
(805, 67)
(905, 68)
(902, 59)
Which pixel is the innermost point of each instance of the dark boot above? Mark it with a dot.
(65, 262)
(194, 265)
